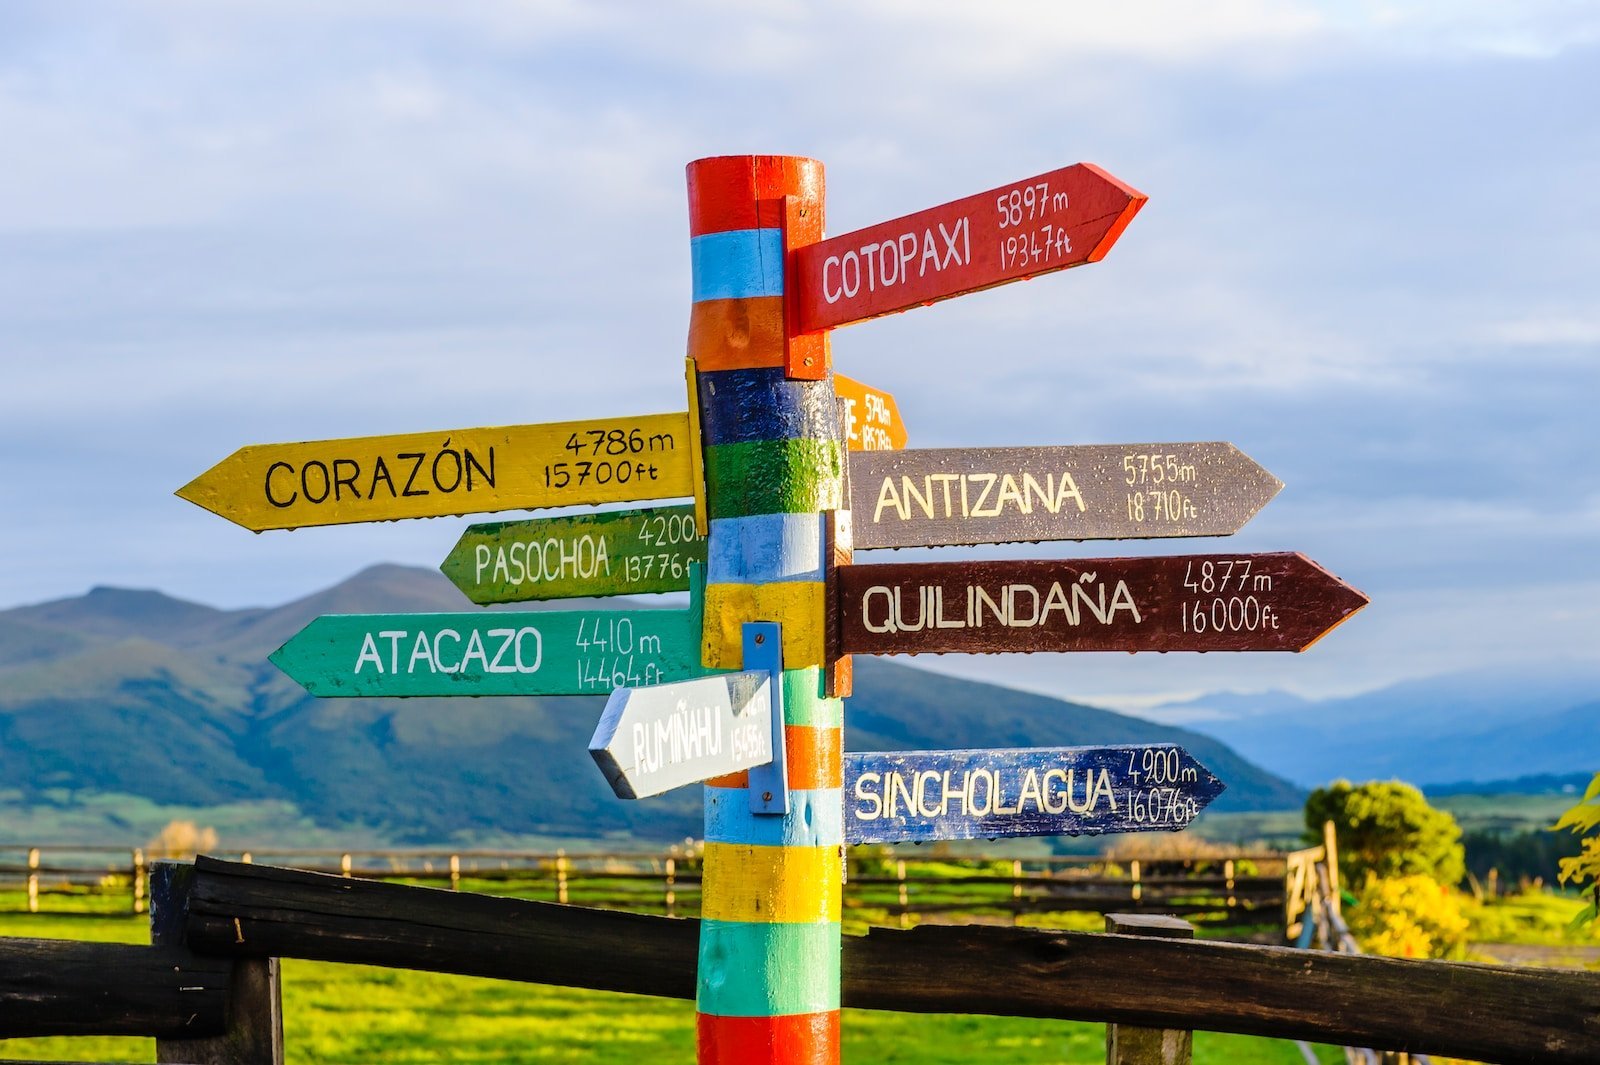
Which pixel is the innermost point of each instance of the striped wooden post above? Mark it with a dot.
(768, 987)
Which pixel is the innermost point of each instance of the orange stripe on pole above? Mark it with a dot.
(791, 1039)
(815, 760)
(737, 334)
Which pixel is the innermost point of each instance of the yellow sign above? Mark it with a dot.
(463, 471)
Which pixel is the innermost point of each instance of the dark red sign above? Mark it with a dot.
(1269, 602)
(1064, 218)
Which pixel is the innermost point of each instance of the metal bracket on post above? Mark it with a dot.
(769, 784)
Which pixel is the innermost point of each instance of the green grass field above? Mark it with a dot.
(347, 1013)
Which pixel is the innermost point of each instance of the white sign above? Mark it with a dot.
(654, 739)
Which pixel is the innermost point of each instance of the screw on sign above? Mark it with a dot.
(1266, 602)
(1065, 218)
(998, 495)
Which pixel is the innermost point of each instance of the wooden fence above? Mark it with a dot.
(207, 989)
(880, 884)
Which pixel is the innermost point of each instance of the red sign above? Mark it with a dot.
(1270, 602)
(1064, 218)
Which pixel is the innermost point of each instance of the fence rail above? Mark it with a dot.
(1245, 887)
(247, 912)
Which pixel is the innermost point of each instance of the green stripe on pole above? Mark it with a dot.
(774, 477)
(782, 968)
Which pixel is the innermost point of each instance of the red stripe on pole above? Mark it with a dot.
(815, 760)
(746, 192)
(793, 1039)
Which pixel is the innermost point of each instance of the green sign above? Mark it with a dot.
(623, 552)
(551, 652)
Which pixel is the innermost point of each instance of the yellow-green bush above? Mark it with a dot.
(1584, 870)
(1409, 917)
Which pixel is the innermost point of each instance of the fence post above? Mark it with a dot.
(33, 879)
(139, 881)
(672, 880)
(1128, 1044)
(344, 864)
(1330, 854)
(255, 993)
(900, 875)
(1227, 873)
(1016, 890)
(455, 872)
(1138, 888)
(561, 877)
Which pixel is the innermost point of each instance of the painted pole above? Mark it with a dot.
(768, 984)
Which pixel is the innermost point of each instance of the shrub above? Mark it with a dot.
(1409, 917)
(1584, 869)
(1387, 829)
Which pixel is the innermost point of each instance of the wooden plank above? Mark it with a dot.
(936, 497)
(456, 471)
(1483, 1012)
(921, 796)
(54, 987)
(619, 552)
(653, 739)
(553, 652)
(254, 1031)
(869, 418)
(1064, 218)
(1268, 602)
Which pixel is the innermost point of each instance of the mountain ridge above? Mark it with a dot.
(152, 696)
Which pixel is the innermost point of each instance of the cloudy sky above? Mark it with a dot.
(1369, 259)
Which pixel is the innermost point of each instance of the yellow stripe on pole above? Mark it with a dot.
(798, 606)
(461, 471)
(750, 887)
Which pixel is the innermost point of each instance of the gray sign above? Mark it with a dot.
(654, 739)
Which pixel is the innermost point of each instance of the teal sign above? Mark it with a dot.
(555, 652)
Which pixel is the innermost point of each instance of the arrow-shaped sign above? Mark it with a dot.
(869, 419)
(654, 739)
(552, 652)
(1268, 602)
(919, 796)
(621, 552)
(460, 471)
(1064, 218)
(999, 495)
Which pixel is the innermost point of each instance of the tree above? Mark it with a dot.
(1386, 829)
(1584, 870)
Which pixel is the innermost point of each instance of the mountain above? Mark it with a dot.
(1481, 725)
(136, 693)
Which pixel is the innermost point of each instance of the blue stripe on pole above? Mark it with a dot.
(765, 548)
(761, 403)
(737, 264)
(813, 820)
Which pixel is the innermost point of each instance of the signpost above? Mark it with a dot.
(1065, 218)
(551, 652)
(652, 740)
(767, 739)
(869, 419)
(1268, 602)
(921, 796)
(999, 495)
(460, 471)
(619, 552)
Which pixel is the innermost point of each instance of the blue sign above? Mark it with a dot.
(920, 796)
